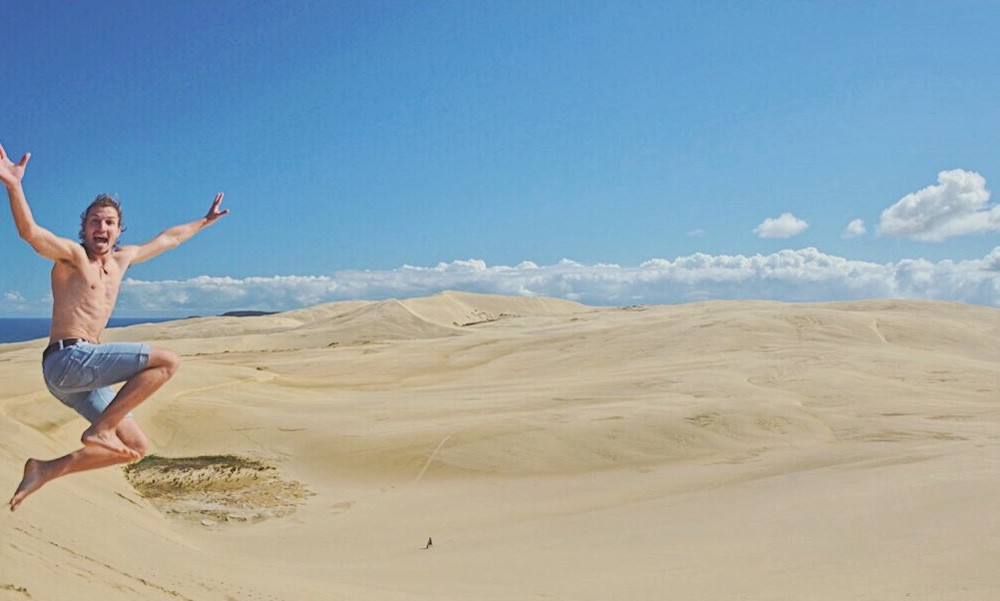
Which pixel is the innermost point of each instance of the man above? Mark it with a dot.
(78, 369)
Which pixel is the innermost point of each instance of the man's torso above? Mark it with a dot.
(84, 292)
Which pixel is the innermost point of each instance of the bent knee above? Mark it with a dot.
(165, 360)
(173, 363)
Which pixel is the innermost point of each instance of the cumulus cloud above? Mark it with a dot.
(14, 303)
(957, 206)
(785, 226)
(789, 275)
(854, 229)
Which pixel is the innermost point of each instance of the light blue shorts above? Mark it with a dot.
(81, 375)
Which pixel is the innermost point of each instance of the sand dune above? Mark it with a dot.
(719, 450)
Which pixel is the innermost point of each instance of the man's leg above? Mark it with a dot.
(38, 473)
(132, 435)
(162, 365)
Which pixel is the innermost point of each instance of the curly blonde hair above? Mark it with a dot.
(103, 200)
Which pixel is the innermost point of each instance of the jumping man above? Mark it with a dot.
(78, 369)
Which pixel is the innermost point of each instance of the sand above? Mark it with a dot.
(549, 450)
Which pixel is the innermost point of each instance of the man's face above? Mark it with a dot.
(101, 230)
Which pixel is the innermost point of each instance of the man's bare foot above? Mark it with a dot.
(33, 479)
(108, 440)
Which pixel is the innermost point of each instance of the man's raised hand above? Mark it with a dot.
(11, 172)
(214, 212)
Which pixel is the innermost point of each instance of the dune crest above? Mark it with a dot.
(466, 309)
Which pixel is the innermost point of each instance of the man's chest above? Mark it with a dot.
(92, 281)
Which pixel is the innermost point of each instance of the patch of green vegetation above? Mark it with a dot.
(182, 464)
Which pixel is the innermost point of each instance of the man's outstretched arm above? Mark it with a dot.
(175, 236)
(42, 240)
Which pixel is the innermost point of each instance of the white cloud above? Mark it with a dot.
(854, 229)
(15, 303)
(991, 262)
(789, 275)
(955, 207)
(785, 226)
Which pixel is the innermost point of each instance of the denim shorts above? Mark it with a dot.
(81, 375)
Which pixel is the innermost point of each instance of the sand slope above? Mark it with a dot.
(720, 450)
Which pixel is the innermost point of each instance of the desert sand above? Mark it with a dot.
(549, 450)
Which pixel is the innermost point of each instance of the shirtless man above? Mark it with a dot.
(78, 370)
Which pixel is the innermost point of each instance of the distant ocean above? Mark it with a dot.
(19, 329)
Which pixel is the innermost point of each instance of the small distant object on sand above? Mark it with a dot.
(430, 543)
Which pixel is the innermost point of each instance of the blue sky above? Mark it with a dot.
(609, 152)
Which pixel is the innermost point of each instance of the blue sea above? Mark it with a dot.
(19, 329)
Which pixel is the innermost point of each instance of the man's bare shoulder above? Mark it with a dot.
(76, 256)
(126, 254)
